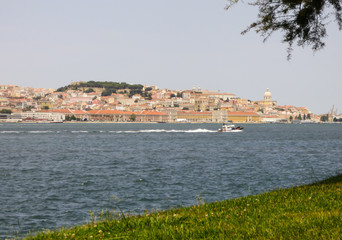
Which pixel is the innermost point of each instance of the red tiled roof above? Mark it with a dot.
(65, 111)
(114, 112)
(78, 112)
(153, 113)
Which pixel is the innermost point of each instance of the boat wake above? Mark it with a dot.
(199, 130)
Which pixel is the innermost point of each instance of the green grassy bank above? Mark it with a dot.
(307, 212)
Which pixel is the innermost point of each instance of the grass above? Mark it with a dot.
(306, 212)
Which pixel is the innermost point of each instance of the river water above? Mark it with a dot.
(52, 175)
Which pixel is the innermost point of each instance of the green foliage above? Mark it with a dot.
(301, 22)
(110, 87)
(324, 118)
(133, 117)
(305, 212)
(89, 90)
(7, 111)
(70, 118)
(146, 95)
(108, 92)
(298, 117)
(172, 95)
(114, 86)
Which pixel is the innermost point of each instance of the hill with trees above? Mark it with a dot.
(108, 88)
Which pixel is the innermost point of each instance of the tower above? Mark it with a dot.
(268, 95)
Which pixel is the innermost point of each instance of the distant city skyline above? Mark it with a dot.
(174, 45)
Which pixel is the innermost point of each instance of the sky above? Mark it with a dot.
(172, 44)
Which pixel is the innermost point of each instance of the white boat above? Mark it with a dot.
(307, 121)
(230, 128)
(57, 121)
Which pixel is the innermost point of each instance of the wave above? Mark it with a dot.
(34, 132)
(11, 131)
(40, 131)
(199, 130)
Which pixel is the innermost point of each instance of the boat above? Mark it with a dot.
(57, 121)
(230, 128)
(307, 121)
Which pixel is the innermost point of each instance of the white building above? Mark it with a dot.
(49, 116)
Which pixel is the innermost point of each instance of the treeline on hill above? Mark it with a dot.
(109, 88)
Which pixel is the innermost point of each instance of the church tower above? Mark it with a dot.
(268, 96)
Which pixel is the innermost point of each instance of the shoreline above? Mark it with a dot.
(314, 210)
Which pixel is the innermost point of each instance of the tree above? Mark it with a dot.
(7, 111)
(133, 117)
(71, 118)
(89, 90)
(302, 22)
(324, 118)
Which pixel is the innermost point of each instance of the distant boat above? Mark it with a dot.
(230, 128)
(306, 121)
(57, 121)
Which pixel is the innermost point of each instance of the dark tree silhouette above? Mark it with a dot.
(301, 21)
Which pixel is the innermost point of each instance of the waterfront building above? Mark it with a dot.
(192, 116)
(37, 116)
(244, 117)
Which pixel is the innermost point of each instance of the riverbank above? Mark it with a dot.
(305, 212)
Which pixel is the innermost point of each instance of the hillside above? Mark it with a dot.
(106, 88)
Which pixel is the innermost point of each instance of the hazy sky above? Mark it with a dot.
(174, 44)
